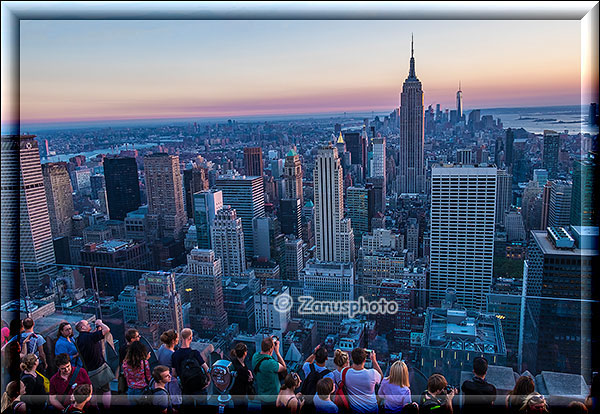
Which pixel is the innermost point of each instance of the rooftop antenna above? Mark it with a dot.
(412, 49)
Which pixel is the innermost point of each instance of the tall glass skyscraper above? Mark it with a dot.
(247, 196)
(122, 186)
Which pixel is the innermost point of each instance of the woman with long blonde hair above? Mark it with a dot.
(11, 399)
(394, 390)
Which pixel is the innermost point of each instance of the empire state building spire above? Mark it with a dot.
(411, 73)
(411, 167)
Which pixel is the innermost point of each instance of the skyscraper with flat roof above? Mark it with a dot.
(559, 208)
(165, 194)
(290, 217)
(122, 186)
(27, 237)
(203, 283)
(583, 197)
(246, 195)
(557, 307)
(59, 193)
(463, 205)
(359, 201)
(206, 205)
(503, 195)
(227, 237)
(333, 233)
(411, 168)
(378, 174)
(194, 179)
(253, 161)
(356, 145)
(550, 153)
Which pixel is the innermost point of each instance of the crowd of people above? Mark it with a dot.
(77, 379)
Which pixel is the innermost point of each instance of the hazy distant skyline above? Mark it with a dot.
(116, 69)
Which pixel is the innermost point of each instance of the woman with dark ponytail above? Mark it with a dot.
(243, 387)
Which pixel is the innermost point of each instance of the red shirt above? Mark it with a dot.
(58, 386)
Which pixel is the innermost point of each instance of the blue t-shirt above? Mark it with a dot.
(164, 356)
(64, 346)
(324, 406)
(306, 369)
(34, 343)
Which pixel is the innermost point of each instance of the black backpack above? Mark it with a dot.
(428, 405)
(193, 377)
(147, 397)
(309, 385)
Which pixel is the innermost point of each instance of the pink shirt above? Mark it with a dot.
(139, 377)
(5, 335)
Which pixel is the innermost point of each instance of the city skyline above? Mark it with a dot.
(111, 70)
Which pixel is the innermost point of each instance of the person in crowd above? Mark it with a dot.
(266, 369)
(136, 370)
(5, 333)
(190, 366)
(314, 369)
(164, 354)
(438, 396)
(131, 335)
(287, 399)
(161, 376)
(394, 390)
(65, 344)
(577, 407)
(90, 352)
(515, 398)
(11, 360)
(65, 381)
(341, 360)
(169, 341)
(478, 394)
(360, 382)
(36, 342)
(11, 399)
(316, 361)
(534, 403)
(82, 394)
(243, 384)
(36, 395)
(12, 352)
(322, 399)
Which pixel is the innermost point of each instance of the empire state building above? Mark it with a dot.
(411, 168)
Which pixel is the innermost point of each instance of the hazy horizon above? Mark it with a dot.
(99, 123)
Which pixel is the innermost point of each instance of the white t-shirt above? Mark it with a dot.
(361, 389)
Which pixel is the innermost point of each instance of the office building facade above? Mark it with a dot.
(463, 204)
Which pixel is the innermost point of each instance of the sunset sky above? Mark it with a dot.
(93, 70)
